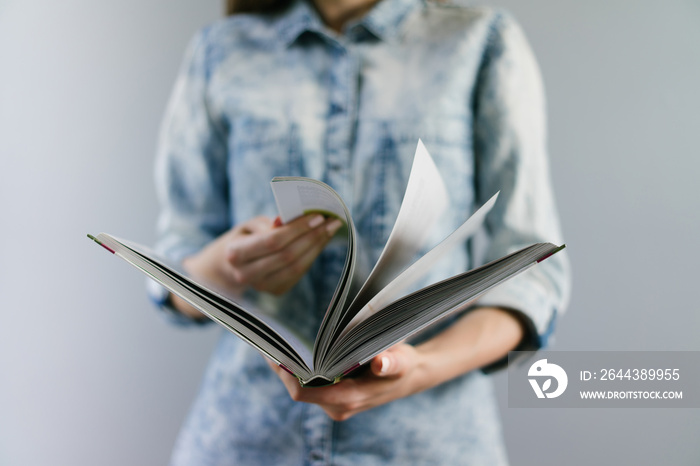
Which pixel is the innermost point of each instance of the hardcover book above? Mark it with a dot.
(360, 321)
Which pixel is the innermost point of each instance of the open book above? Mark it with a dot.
(361, 321)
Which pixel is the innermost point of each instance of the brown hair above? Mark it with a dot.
(255, 6)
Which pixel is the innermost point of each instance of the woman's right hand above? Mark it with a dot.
(262, 254)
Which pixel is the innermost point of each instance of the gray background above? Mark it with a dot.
(89, 374)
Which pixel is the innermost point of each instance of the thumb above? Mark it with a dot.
(388, 363)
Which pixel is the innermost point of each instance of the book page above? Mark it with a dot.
(423, 204)
(267, 334)
(297, 196)
(408, 277)
(416, 311)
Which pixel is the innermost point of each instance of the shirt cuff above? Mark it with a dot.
(535, 307)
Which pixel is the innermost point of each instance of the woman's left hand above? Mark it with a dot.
(393, 374)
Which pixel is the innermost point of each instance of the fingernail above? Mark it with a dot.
(385, 366)
(315, 221)
(333, 227)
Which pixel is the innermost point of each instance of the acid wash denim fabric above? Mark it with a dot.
(262, 96)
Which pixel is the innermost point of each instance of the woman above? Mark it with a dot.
(341, 91)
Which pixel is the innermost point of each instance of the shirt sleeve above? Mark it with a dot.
(190, 172)
(511, 157)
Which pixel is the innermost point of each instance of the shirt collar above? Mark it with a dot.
(386, 18)
(383, 21)
(300, 17)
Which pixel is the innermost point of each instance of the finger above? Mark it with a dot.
(272, 240)
(389, 363)
(381, 365)
(258, 224)
(290, 256)
(284, 270)
(270, 272)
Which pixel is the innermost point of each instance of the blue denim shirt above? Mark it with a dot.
(262, 96)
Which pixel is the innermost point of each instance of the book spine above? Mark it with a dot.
(100, 243)
(351, 369)
(551, 253)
